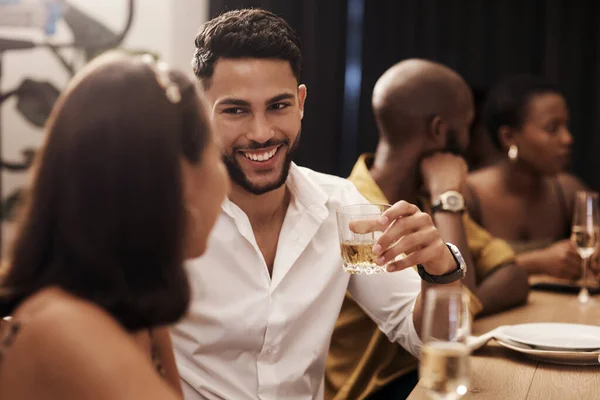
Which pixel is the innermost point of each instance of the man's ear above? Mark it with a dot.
(437, 130)
(302, 91)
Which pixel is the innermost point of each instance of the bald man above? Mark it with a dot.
(423, 111)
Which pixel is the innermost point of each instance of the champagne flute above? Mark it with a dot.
(444, 364)
(584, 234)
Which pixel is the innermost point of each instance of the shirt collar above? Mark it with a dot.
(364, 182)
(305, 194)
(366, 185)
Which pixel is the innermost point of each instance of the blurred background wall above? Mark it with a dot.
(347, 45)
(163, 27)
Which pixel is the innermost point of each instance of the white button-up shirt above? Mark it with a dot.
(251, 336)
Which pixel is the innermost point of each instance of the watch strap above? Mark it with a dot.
(437, 206)
(452, 276)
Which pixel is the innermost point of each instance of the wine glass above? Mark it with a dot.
(444, 364)
(584, 234)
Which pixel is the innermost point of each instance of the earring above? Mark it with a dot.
(513, 152)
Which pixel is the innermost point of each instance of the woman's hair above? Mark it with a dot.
(508, 102)
(479, 99)
(105, 216)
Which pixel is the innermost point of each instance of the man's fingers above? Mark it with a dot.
(398, 210)
(422, 256)
(364, 226)
(385, 220)
(409, 244)
(400, 228)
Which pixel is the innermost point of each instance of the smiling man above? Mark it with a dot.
(268, 291)
(257, 151)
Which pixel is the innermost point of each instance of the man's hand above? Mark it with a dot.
(442, 172)
(409, 231)
(562, 260)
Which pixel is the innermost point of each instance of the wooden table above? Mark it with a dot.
(499, 373)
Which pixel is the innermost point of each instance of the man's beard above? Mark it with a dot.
(452, 145)
(238, 176)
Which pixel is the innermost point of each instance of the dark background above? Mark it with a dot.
(483, 40)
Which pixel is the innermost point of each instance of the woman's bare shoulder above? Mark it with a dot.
(74, 349)
(55, 316)
(483, 178)
(571, 183)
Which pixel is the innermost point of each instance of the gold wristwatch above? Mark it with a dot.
(450, 201)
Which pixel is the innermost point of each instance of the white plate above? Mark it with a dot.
(555, 336)
(554, 357)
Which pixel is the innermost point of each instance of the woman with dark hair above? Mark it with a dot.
(527, 198)
(129, 183)
(482, 151)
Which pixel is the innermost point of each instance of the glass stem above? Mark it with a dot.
(584, 265)
(584, 295)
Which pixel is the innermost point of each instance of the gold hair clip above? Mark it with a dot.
(161, 70)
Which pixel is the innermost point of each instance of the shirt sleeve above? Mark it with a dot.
(389, 299)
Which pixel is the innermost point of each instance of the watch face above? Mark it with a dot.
(453, 201)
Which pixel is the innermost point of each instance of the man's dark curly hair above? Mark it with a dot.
(247, 33)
